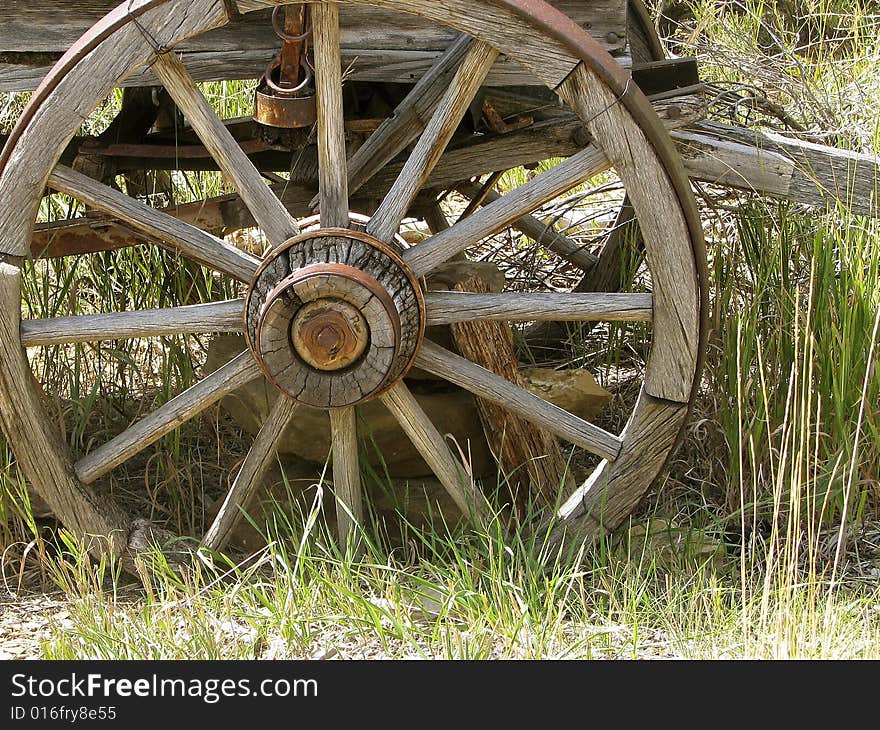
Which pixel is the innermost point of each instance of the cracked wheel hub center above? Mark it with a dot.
(334, 317)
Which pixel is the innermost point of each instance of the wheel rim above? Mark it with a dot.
(617, 116)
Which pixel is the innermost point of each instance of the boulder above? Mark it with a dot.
(385, 446)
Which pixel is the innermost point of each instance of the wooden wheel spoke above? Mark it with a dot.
(332, 172)
(346, 474)
(452, 306)
(492, 387)
(267, 209)
(189, 240)
(408, 120)
(191, 319)
(432, 446)
(237, 372)
(251, 473)
(506, 210)
(428, 150)
(541, 233)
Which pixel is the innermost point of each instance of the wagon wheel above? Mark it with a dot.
(334, 315)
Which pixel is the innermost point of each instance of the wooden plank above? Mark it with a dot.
(382, 66)
(273, 217)
(428, 150)
(430, 443)
(780, 166)
(39, 450)
(488, 385)
(193, 319)
(332, 170)
(191, 241)
(346, 476)
(239, 371)
(41, 25)
(250, 476)
(449, 307)
(731, 164)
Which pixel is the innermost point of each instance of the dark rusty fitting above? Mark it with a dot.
(284, 112)
(281, 32)
(329, 334)
(276, 65)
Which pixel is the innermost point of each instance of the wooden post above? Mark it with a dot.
(524, 451)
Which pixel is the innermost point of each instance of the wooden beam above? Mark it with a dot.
(781, 167)
(38, 26)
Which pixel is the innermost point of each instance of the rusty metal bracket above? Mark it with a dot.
(285, 97)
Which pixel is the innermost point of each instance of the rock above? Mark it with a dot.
(574, 390)
(386, 447)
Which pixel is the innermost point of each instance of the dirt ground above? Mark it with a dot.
(27, 620)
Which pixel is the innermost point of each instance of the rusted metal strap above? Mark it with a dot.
(232, 11)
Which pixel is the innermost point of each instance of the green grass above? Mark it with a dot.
(762, 540)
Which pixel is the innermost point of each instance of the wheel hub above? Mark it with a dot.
(334, 317)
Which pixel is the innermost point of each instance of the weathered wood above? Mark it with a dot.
(732, 164)
(344, 267)
(541, 233)
(524, 451)
(236, 373)
(453, 475)
(191, 241)
(676, 288)
(332, 170)
(511, 207)
(775, 165)
(460, 306)
(39, 451)
(346, 476)
(227, 213)
(550, 60)
(53, 26)
(374, 66)
(249, 477)
(409, 118)
(371, 38)
(59, 109)
(614, 490)
(481, 382)
(428, 150)
(276, 222)
(192, 319)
